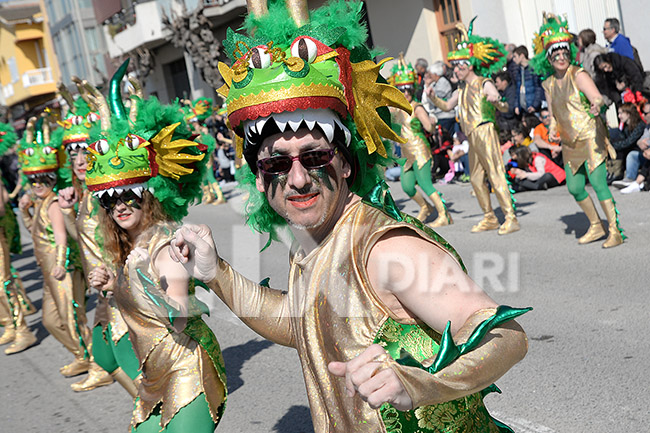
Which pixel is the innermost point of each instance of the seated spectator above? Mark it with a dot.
(534, 171)
(640, 183)
(436, 82)
(458, 159)
(530, 121)
(507, 90)
(527, 84)
(624, 140)
(544, 144)
(589, 50)
(636, 157)
(521, 137)
(627, 95)
(610, 67)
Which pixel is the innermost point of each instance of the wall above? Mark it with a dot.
(636, 18)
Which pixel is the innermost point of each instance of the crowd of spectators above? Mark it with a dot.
(532, 158)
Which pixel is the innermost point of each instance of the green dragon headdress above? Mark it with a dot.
(552, 36)
(39, 153)
(198, 110)
(79, 119)
(301, 69)
(486, 55)
(402, 74)
(150, 147)
(8, 138)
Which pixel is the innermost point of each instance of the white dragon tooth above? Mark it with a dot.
(294, 124)
(253, 127)
(260, 124)
(348, 136)
(281, 122)
(328, 130)
(310, 124)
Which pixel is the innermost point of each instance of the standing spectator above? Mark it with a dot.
(617, 43)
(610, 67)
(420, 69)
(589, 50)
(435, 81)
(528, 84)
(511, 67)
(540, 138)
(507, 90)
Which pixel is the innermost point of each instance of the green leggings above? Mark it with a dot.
(598, 179)
(420, 176)
(195, 418)
(110, 356)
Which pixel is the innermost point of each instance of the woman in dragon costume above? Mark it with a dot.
(196, 113)
(113, 356)
(416, 169)
(14, 304)
(575, 104)
(145, 172)
(41, 158)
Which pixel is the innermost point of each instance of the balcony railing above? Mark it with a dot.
(36, 77)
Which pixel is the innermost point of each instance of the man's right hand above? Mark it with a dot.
(25, 202)
(67, 197)
(194, 248)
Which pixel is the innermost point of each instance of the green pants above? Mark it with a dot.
(195, 418)
(109, 355)
(597, 178)
(420, 176)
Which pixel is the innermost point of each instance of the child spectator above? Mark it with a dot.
(458, 159)
(551, 149)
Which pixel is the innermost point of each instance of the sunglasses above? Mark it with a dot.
(282, 164)
(559, 56)
(544, 116)
(129, 199)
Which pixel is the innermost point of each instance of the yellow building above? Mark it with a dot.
(28, 66)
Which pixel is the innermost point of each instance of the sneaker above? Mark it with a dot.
(464, 178)
(622, 183)
(633, 187)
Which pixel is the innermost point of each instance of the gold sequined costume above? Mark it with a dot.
(62, 320)
(477, 122)
(176, 367)
(331, 313)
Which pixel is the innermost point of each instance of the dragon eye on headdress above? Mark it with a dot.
(47, 150)
(305, 49)
(259, 57)
(92, 117)
(76, 120)
(102, 147)
(29, 151)
(132, 141)
(464, 44)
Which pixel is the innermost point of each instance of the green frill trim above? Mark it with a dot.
(10, 225)
(449, 351)
(11, 304)
(617, 221)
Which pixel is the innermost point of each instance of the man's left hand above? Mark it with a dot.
(369, 375)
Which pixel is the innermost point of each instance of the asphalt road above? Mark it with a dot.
(584, 371)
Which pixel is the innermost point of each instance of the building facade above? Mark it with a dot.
(28, 63)
(78, 41)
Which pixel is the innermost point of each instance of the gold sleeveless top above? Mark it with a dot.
(584, 137)
(175, 367)
(91, 257)
(416, 150)
(472, 104)
(336, 315)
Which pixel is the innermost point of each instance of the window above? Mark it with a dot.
(91, 39)
(447, 16)
(13, 69)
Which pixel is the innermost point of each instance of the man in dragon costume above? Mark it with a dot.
(366, 309)
(478, 99)
(196, 113)
(146, 170)
(42, 157)
(14, 304)
(113, 356)
(416, 152)
(575, 104)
